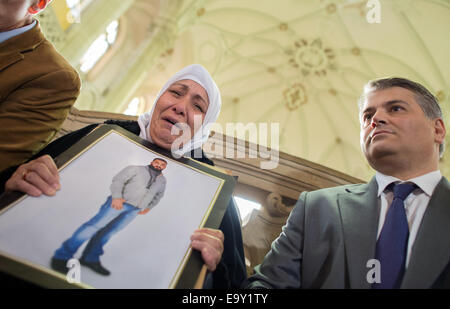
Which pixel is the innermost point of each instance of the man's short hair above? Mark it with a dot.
(426, 100)
(160, 159)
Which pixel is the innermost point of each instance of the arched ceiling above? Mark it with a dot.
(301, 64)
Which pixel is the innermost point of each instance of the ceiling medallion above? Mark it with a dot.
(356, 51)
(295, 96)
(331, 8)
(311, 57)
(167, 53)
(283, 27)
(201, 12)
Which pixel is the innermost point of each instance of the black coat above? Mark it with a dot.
(230, 272)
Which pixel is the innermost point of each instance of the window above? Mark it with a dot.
(246, 206)
(99, 47)
(72, 4)
(76, 7)
(133, 107)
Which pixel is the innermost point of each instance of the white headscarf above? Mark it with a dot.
(201, 76)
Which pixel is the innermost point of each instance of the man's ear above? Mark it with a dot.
(37, 6)
(439, 130)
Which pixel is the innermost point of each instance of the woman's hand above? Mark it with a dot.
(210, 243)
(35, 178)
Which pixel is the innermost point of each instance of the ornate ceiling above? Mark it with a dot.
(301, 64)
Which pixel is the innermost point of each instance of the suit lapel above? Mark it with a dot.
(430, 253)
(8, 59)
(11, 50)
(359, 215)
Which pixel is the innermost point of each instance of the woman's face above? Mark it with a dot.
(183, 106)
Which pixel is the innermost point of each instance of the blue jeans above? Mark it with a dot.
(99, 230)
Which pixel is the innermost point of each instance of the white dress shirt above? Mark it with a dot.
(415, 203)
(6, 35)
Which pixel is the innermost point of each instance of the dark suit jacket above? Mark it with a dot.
(37, 88)
(331, 235)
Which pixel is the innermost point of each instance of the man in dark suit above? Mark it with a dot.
(392, 232)
(37, 85)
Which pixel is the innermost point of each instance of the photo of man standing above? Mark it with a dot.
(135, 190)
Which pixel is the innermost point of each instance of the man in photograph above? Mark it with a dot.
(134, 191)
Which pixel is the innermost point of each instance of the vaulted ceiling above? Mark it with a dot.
(298, 65)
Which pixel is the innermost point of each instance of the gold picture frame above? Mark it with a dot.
(152, 251)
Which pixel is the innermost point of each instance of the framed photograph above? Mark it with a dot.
(122, 218)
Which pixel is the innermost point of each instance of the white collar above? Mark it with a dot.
(15, 32)
(427, 182)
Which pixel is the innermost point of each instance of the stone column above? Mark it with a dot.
(262, 228)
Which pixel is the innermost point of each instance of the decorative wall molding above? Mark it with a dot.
(292, 175)
(262, 227)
